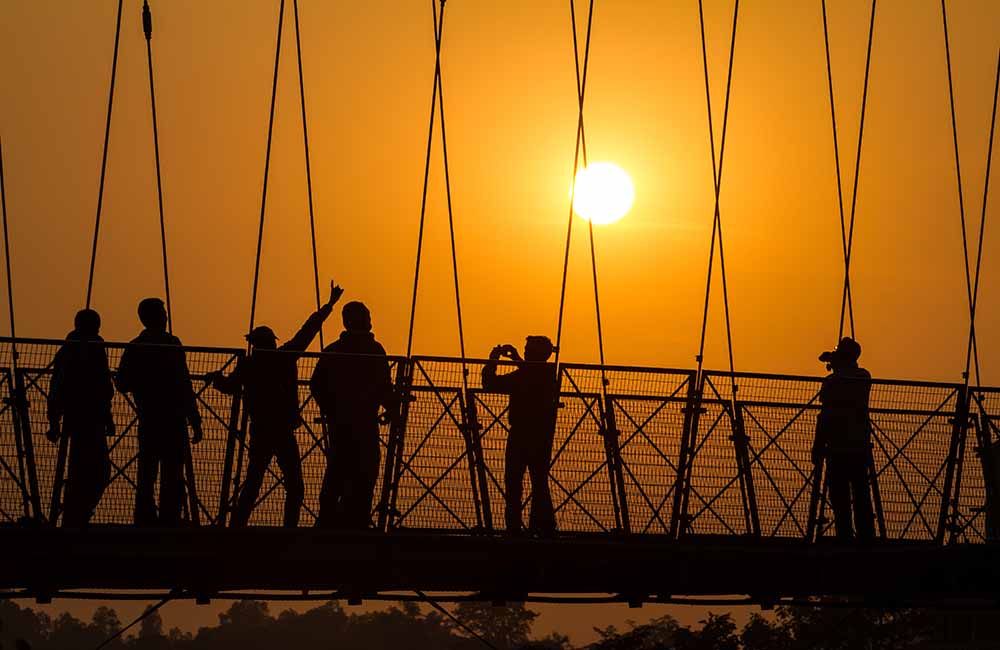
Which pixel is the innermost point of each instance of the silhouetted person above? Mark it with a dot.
(80, 394)
(532, 415)
(843, 440)
(154, 369)
(269, 378)
(350, 383)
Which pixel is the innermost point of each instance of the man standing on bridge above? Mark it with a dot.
(532, 414)
(843, 440)
(154, 369)
(80, 394)
(350, 383)
(269, 378)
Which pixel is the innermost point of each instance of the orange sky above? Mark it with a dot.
(511, 110)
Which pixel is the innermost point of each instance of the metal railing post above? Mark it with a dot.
(739, 438)
(958, 430)
(612, 435)
(393, 468)
(475, 434)
(233, 435)
(692, 414)
(22, 429)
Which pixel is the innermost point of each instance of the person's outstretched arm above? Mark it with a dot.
(311, 327)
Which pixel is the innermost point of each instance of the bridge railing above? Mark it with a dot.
(645, 451)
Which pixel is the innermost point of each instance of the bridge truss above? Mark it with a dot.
(654, 469)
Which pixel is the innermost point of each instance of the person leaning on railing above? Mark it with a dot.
(269, 378)
(843, 440)
(79, 407)
(532, 414)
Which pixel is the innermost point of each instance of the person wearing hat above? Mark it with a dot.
(154, 369)
(532, 416)
(350, 383)
(269, 379)
(843, 440)
(80, 393)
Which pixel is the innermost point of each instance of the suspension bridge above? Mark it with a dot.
(668, 483)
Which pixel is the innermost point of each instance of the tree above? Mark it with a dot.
(505, 627)
(151, 627)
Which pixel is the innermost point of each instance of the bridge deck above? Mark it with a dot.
(207, 563)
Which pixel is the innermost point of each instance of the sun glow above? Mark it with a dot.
(604, 193)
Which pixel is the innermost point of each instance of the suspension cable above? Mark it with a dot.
(982, 229)
(581, 148)
(6, 253)
(267, 166)
(836, 161)
(451, 217)
(104, 156)
(438, 35)
(305, 139)
(147, 28)
(149, 611)
(857, 175)
(465, 628)
(717, 168)
(960, 185)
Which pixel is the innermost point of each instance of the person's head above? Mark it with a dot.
(87, 322)
(538, 348)
(152, 314)
(357, 318)
(847, 353)
(262, 337)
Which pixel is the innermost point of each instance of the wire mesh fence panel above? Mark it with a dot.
(778, 415)
(974, 519)
(493, 429)
(118, 498)
(714, 498)
(435, 486)
(14, 502)
(580, 476)
(911, 426)
(650, 425)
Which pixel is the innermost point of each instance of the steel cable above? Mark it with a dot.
(267, 167)
(104, 155)
(305, 139)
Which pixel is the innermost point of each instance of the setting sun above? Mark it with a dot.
(604, 193)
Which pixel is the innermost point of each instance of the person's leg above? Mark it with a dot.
(543, 518)
(172, 473)
(331, 496)
(148, 462)
(363, 488)
(839, 492)
(94, 469)
(259, 457)
(73, 509)
(286, 452)
(513, 475)
(864, 516)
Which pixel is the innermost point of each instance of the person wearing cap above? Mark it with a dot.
(350, 383)
(532, 416)
(79, 408)
(843, 440)
(269, 379)
(153, 368)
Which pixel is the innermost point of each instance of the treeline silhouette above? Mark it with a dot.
(250, 625)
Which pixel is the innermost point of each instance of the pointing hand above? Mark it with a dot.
(335, 293)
